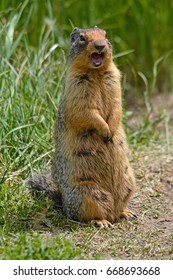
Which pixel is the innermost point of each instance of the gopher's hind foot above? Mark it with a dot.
(103, 223)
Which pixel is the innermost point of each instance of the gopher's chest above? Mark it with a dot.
(99, 96)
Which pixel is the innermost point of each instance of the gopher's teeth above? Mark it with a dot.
(97, 63)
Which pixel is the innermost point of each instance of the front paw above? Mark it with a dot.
(107, 139)
(105, 134)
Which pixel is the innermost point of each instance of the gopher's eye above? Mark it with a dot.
(82, 38)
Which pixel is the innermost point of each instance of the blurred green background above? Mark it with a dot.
(140, 31)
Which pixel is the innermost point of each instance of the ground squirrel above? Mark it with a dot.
(91, 176)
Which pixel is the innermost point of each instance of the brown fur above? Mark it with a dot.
(90, 167)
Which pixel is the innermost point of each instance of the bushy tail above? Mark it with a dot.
(43, 182)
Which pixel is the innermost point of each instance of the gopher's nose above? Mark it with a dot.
(99, 45)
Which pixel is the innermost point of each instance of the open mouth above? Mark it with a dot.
(97, 59)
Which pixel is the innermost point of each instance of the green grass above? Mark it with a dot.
(34, 41)
(34, 246)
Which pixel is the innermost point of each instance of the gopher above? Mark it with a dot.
(91, 177)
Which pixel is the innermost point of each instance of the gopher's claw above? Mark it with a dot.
(103, 223)
(127, 214)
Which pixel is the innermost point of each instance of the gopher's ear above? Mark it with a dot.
(74, 35)
(75, 29)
